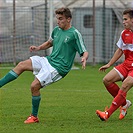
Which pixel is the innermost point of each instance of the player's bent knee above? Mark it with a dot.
(106, 81)
(34, 90)
(35, 86)
(21, 65)
(25, 65)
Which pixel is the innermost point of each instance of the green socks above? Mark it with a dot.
(35, 105)
(10, 76)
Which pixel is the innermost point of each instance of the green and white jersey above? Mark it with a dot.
(65, 45)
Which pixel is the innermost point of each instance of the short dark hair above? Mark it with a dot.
(128, 11)
(64, 11)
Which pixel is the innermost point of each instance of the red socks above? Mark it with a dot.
(117, 102)
(113, 89)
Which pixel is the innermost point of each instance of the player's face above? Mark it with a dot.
(127, 22)
(63, 22)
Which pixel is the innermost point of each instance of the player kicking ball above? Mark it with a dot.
(66, 41)
(123, 72)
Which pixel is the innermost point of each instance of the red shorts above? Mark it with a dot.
(125, 69)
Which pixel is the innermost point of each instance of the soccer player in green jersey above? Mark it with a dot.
(66, 41)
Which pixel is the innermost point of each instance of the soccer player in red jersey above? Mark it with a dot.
(123, 72)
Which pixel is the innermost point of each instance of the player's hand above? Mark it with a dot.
(33, 48)
(103, 68)
(83, 61)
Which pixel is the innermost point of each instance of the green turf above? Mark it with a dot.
(67, 106)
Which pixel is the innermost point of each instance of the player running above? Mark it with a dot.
(66, 41)
(123, 72)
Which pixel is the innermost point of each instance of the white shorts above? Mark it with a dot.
(43, 71)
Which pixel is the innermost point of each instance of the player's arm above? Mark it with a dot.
(84, 59)
(118, 53)
(43, 46)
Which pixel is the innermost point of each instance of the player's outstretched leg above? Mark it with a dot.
(10, 76)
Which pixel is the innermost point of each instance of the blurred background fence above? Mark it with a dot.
(25, 23)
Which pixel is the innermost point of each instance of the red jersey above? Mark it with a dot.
(126, 44)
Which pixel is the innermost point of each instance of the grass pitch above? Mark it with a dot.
(67, 106)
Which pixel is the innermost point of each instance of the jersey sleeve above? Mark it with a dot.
(80, 46)
(120, 41)
(51, 38)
